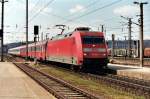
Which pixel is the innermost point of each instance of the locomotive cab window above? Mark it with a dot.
(92, 40)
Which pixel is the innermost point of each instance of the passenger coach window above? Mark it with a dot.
(92, 40)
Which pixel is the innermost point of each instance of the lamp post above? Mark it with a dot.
(113, 46)
(141, 31)
(2, 30)
(26, 29)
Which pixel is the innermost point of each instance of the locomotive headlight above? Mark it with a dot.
(85, 54)
(102, 50)
(104, 54)
(87, 49)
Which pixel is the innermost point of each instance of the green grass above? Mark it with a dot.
(92, 86)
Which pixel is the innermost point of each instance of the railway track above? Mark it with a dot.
(59, 88)
(130, 85)
(134, 86)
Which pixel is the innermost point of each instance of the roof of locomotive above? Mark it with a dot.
(94, 33)
(61, 36)
(81, 30)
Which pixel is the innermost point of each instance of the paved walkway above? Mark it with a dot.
(15, 84)
(131, 71)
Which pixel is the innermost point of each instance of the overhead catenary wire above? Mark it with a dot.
(93, 11)
(92, 3)
(21, 1)
(66, 19)
(70, 20)
(40, 10)
(86, 7)
(34, 7)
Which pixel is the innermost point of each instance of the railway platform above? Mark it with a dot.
(15, 84)
(131, 71)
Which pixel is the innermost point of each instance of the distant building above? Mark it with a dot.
(121, 48)
(124, 44)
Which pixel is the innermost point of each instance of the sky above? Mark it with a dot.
(73, 13)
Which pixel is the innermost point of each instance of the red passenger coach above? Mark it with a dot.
(78, 48)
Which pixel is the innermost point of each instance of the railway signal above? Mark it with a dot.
(36, 32)
(1, 33)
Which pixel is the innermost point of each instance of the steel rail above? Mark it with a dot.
(128, 84)
(58, 87)
(131, 85)
(125, 84)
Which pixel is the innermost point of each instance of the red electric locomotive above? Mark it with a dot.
(78, 48)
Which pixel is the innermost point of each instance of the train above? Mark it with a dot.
(79, 48)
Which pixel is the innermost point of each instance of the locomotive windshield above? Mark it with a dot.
(92, 40)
